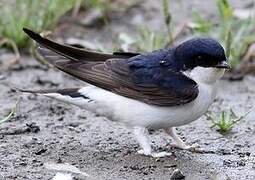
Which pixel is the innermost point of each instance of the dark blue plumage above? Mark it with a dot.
(163, 68)
(159, 69)
(204, 52)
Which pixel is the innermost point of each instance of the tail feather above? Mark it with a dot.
(68, 91)
(70, 95)
(72, 92)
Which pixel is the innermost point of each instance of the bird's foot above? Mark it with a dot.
(161, 154)
(142, 152)
(183, 146)
(154, 154)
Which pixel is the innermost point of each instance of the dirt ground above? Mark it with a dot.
(48, 131)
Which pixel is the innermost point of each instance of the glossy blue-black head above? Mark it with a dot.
(204, 52)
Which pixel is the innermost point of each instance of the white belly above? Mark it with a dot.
(135, 113)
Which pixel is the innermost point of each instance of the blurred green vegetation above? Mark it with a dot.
(34, 14)
(148, 40)
(10, 114)
(236, 34)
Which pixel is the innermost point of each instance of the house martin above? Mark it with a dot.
(162, 89)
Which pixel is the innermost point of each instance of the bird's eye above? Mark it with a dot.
(162, 62)
(184, 67)
(199, 57)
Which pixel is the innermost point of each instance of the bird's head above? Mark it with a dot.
(200, 52)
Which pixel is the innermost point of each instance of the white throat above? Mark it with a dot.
(206, 75)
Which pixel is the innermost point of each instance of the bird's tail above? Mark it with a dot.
(70, 95)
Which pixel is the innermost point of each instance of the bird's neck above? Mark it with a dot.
(206, 75)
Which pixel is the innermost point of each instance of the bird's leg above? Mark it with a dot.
(178, 142)
(141, 135)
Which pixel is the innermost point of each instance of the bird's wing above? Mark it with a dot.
(150, 85)
(74, 53)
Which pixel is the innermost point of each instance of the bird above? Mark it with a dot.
(162, 89)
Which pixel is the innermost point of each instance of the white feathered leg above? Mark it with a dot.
(178, 142)
(141, 135)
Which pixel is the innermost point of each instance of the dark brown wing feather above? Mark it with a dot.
(73, 52)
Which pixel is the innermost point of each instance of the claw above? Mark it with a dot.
(154, 155)
(192, 148)
(161, 154)
(142, 152)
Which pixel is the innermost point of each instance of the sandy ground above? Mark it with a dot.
(47, 131)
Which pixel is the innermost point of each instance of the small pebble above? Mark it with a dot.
(241, 163)
(220, 176)
(93, 18)
(177, 174)
(74, 124)
(2, 77)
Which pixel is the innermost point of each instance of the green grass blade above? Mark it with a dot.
(11, 114)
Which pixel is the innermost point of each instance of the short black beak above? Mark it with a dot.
(223, 65)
